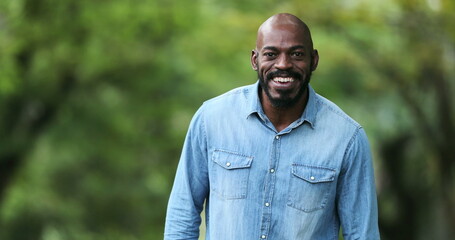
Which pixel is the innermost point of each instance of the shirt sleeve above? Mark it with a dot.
(190, 187)
(356, 191)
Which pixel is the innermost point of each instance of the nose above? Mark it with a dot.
(283, 62)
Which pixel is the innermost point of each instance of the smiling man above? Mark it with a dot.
(275, 160)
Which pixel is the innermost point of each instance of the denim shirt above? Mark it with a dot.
(256, 183)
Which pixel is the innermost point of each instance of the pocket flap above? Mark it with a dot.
(231, 160)
(313, 174)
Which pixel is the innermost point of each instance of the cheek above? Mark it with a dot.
(264, 68)
(306, 66)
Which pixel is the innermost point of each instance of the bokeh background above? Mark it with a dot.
(96, 98)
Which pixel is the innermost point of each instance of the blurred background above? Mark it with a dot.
(96, 98)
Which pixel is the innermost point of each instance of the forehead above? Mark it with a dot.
(282, 36)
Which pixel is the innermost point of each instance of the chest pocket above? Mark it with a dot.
(229, 174)
(310, 187)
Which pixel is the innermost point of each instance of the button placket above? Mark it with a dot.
(270, 187)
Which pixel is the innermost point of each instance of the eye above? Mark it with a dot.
(270, 54)
(298, 54)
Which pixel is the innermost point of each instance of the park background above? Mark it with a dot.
(96, 98)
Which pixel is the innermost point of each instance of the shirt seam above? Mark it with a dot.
(204, 130)
(343, 171)
(350, 143)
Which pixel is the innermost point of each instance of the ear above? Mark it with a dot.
(254, 60)
(315, 60)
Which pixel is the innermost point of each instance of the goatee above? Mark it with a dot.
(285, 100)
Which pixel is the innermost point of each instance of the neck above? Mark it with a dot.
(283, 117)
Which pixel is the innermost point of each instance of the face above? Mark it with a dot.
(284, 60)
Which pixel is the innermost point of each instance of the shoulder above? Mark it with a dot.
(234, 95)
(347, 131)
(233, 101)
(333, 113)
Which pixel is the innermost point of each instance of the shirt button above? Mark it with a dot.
(267, 204)
(312, 178)
(272, 170)
(228, 164)
(263, 236)
(277, 137)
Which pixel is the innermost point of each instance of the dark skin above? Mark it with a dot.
(283, 47)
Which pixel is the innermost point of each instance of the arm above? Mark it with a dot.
(356, 192)
(190, 185)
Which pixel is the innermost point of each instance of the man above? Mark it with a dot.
(274, 160)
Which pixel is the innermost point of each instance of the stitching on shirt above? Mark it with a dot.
(349, 146)
(325, 179)
(313, 166)
(204, 131)
(351, 141)
(233, 153)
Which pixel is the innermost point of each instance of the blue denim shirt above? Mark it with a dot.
(301, 183)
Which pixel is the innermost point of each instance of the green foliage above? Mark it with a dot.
(96, 97)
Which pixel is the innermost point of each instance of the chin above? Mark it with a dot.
(284, 98)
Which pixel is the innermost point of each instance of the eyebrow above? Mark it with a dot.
(276, 49)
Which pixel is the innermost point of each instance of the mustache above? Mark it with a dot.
(284, 73)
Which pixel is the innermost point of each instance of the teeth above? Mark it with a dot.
(283, 80)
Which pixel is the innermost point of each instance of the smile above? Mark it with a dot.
(283, 79)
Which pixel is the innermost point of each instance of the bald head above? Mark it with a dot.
(284, 59)
(280, 22)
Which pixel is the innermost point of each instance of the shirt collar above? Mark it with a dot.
(308, 115)
(311, 109)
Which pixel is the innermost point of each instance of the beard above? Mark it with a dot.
(285, 100)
